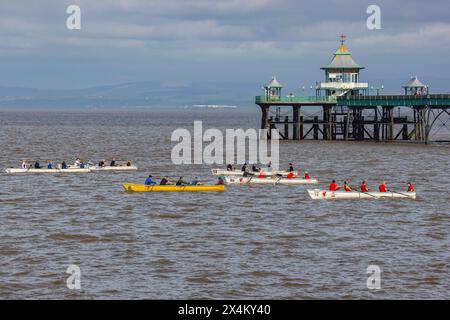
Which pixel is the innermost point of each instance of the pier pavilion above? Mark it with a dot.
(349, 112)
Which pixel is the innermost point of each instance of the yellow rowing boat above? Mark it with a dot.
(157, 188)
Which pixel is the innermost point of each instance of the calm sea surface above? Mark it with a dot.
(247, 242)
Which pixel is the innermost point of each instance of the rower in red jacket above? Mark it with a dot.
(346, 187)
(382, 187)
(410, 187)
(364, 187)
(307, 176)
(333, 186)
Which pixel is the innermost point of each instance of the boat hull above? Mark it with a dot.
(44, 170)
(236, 173)
(158, 188)
(325, 194)
(118, 168)
(272, 181)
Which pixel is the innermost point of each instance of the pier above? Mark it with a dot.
(343, 109)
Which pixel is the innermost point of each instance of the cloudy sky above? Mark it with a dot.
(219, 40)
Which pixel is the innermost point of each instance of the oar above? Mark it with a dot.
(400, 193)
(369, 194)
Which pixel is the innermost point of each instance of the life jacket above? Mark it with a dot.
(382, 188)
(410, 188)
(290, 175)
(261, 175)
(333, 186)
(307, 176)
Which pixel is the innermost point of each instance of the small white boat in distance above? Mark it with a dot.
(317, 194)
(115, 168)
(223, 172)
(45, 170)
(269, 180)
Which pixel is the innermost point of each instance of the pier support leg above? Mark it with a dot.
(265, 121)
(286, 128)
(391, 123)
(347, 125)
(376, 125)
(300, 134)
(316, 128)
(295, 126)
(326, 123)
(405, 135)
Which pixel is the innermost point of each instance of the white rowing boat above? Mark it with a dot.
(116, 168)
(45, 170)
(317, 194)
(269, 180)
(223, 172)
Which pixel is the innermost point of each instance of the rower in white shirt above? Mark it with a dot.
(77, 163)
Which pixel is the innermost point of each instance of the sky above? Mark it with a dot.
(244, 41)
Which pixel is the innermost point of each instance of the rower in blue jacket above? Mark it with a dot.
(149, 181)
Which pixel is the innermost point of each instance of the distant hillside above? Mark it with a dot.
(147, 93)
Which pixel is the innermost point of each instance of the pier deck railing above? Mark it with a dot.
(295, 100)
(431, 100)
(438, 100)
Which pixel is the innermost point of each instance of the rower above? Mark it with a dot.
(50, 165)
(195, 182)
(220, 181)
(149, 181)
(410, 187)
(164, 181)
(307, 176)
(24, 164)
(382, 187)
(63, 165)
(37, 165)
(269, 167)
(346, 187)
(255, 168)
(244, 167)
(101, 163)
(333, 186)
(128, 163)
(229, 167)
(181, 182)
(291, 168)
(363, 187)
(77, 162)
(113, 162)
